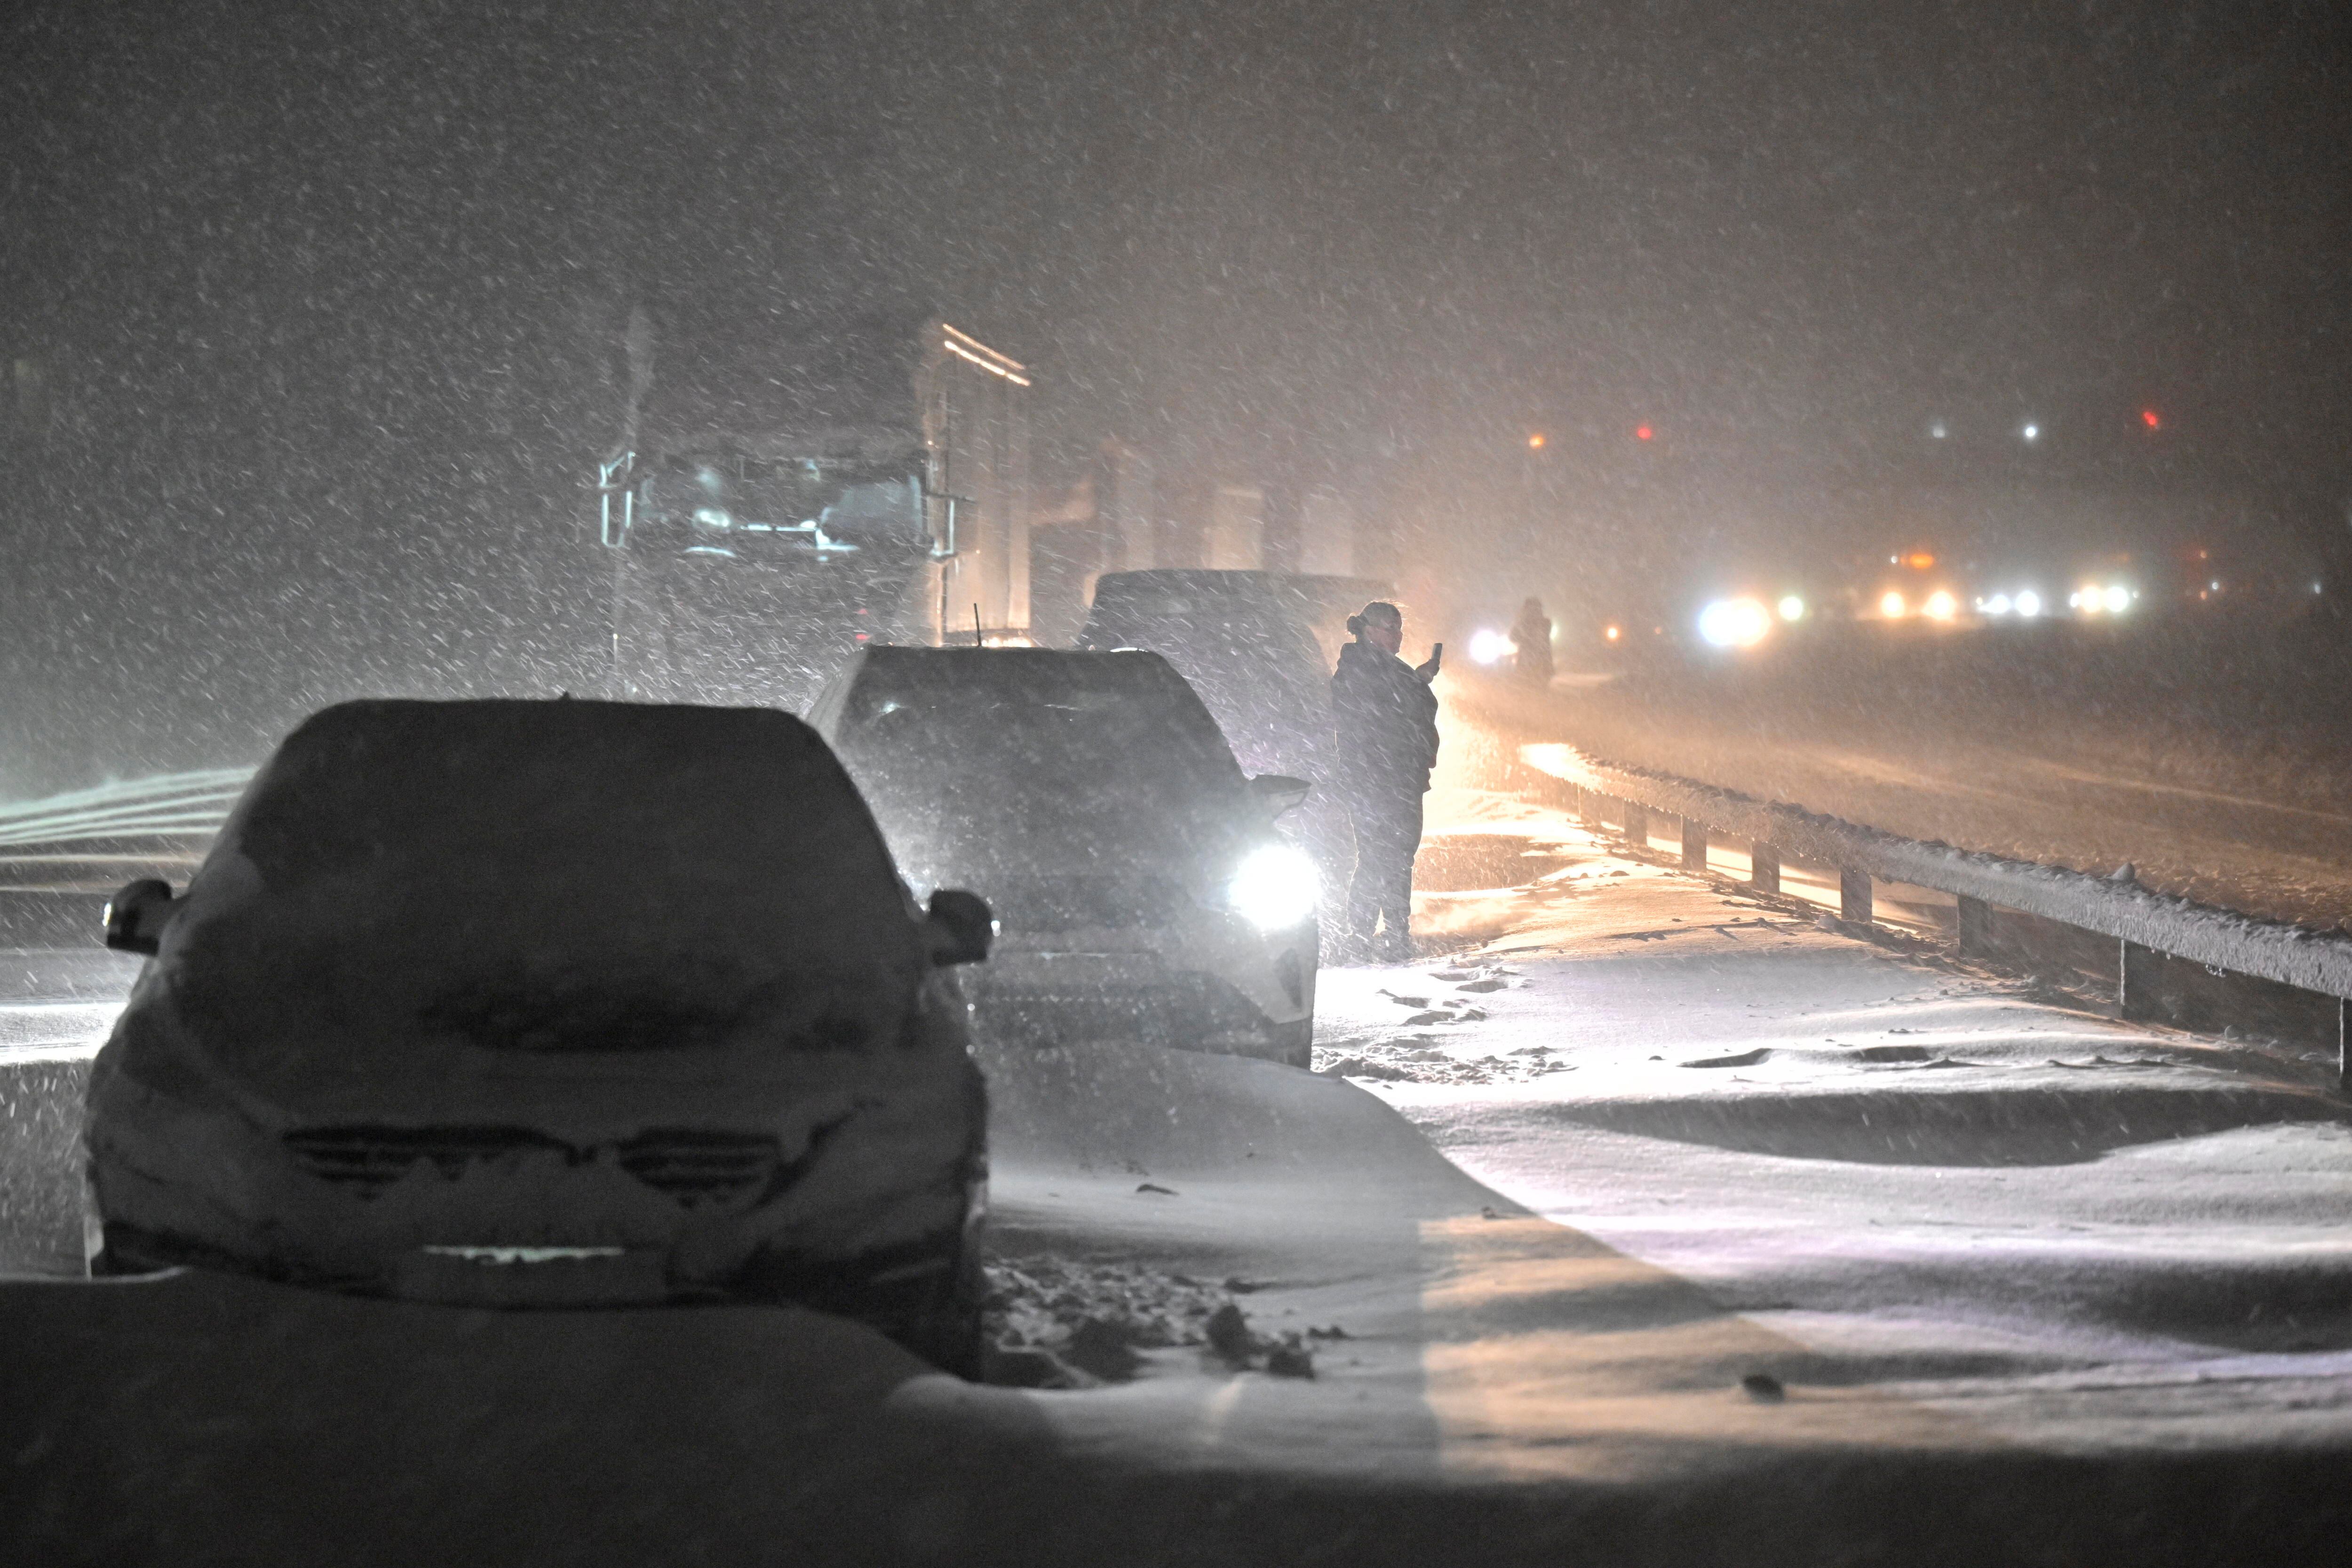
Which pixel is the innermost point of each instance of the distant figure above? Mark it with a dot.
(1532, 634)
(1385, 717)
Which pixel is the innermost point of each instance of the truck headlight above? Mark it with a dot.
(1275, 887)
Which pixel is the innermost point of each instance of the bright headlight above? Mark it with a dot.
(1940, 607)
(1891, 605)
(1735, 623)
(1792, 608)
(1274, 887)
(2029, 604)
(1488, 647)
(2118, 599)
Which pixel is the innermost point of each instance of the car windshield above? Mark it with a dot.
(1054, 765)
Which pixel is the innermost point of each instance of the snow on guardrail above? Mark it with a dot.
(2223, 939)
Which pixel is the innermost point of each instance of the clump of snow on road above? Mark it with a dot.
(1044, 1300)
(1416, 1048)
(1056, 1322)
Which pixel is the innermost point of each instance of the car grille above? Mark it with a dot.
(366, 1160)
(696, 1169)
(701, 1169)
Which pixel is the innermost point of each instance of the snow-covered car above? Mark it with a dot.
(1141, 887)
(1245, 642)
(551, 1003)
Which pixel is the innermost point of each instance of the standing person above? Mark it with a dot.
(1532, 634)
(1386, 718)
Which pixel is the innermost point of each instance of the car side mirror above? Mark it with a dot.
(1280, 791)
(961, 927)
(136, 916)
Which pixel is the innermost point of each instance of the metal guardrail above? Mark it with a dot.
(2149, 927)
(62, 856)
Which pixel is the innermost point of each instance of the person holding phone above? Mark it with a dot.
(1385, 716)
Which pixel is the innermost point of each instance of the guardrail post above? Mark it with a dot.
(2135, 993)
(1853, 895)
(1764, 868)
(1975, 927)
(1637, 825)
(1693, 844)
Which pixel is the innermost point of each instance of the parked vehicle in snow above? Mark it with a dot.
(1249, 643)
(551, 1003)
(1244, 642)
(1142, 889)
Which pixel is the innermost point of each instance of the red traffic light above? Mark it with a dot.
(1642, 432)
(2151, 418)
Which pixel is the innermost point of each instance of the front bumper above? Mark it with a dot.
(510, 1181)
(1206, 982)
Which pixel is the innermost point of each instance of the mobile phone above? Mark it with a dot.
(1437, 653)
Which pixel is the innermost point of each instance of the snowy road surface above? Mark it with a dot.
(1933, 1179)
(1659, 1224)
(2242, 844)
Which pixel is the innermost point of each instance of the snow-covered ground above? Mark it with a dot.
(1646, 1220)
(1929, 1179)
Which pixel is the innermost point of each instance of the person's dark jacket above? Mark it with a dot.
(1386, 718)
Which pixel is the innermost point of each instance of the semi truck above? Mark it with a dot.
(769, 512)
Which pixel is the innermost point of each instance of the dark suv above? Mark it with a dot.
(1142, 888)
(551, 1003)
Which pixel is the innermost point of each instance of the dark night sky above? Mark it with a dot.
(329, 308)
